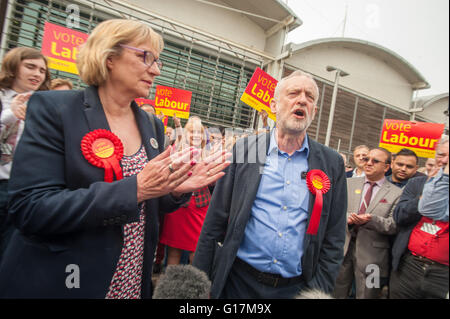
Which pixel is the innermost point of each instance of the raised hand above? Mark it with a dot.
(19, 105)
(264, 116)
(164, 173)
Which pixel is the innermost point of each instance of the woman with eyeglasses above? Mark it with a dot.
(92, 177)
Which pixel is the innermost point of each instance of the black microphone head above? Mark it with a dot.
(182, 282)
(313, 294)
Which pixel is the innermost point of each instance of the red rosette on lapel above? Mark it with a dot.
(104, 149)
(318, 184)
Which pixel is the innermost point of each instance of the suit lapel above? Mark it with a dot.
(384, 190)
(252, 172)
(93, 110)
(146, 131)
(256, 169)
(314, 162)
(355, 195)
(96, 118)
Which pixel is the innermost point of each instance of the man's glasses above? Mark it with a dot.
(149, 58)
(374, 160)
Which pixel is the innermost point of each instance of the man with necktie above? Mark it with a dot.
(371, 201)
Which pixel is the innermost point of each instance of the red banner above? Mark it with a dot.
(171, 100)
(260, 91)
(60, 45)
(420, 137)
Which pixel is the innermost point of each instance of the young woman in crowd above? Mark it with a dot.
(24, 70)
(182, 228)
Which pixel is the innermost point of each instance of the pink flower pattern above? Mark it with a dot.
(127, 279)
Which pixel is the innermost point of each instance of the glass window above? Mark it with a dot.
(217, 83)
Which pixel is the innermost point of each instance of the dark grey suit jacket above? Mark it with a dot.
(406, 216)
(230, 210)
(372, 240)
(63, 212)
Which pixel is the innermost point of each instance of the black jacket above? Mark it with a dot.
(230, 210)
(406, 216)
(63, 211)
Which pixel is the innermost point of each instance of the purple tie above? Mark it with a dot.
(367, 198)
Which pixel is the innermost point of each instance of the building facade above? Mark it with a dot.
(209, 50)
(212, 48)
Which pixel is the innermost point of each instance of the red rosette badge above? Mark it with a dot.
(104, 149)
(318, 184)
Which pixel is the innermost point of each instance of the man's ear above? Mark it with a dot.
(273, 106)
(387, 167)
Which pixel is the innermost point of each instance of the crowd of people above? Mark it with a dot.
(90, 179)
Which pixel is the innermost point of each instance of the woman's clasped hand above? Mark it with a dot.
(180, 172)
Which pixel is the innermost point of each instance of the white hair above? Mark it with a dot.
(443, 140)
(294, 74)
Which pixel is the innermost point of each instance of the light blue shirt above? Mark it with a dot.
(273, 237)
(434, 200)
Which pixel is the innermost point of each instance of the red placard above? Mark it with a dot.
(260, 91)
(420, 137)
(171, 100)
(60, 45)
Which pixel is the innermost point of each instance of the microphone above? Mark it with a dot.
(313, 294)
(182, 282)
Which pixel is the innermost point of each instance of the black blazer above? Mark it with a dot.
(230, 210)
(406, 216)
(63, 211)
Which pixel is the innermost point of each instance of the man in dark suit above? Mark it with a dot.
(404, 166)
(420, 251)
(257, 240)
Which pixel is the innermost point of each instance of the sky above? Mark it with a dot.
(416, 30)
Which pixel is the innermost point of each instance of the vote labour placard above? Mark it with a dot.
(60, 45)
(171, 100)
(259, 92)
(419, 137)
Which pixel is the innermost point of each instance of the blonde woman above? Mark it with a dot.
(91, 177)
(181, 229)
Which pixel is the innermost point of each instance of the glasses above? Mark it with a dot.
(375, 161)
(149, 58)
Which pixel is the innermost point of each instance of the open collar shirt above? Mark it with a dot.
(273, 237)
(375, 190)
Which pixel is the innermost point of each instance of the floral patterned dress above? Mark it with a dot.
(127, 279)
